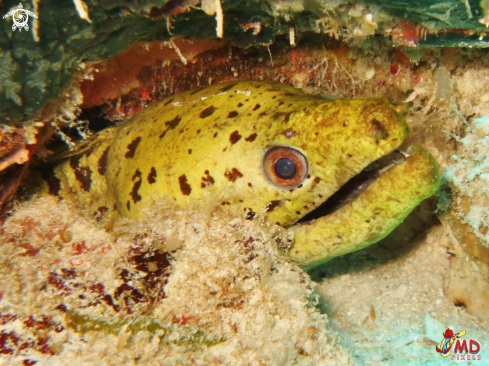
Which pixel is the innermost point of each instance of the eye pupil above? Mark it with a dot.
(285, 168)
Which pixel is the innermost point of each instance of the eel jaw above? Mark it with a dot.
(371, 216)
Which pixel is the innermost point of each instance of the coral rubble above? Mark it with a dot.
(73, 293)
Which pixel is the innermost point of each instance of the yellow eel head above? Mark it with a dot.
(263, 148)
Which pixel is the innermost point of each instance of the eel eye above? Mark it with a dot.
(285, 167)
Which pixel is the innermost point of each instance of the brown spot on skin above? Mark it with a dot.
(137, 174)
(250, 185)
(152, 175)
(224, 203)
(279, 104)
(240, 105)
(306, 207)
(189, 151)
(298, 212)
(198, 131)
(320, 195)
(262, 114)
(207, 112)
(234, 137)
(54, 184)
(277, 115)
(82, 174)
(233, 114)
(299, 186)
(207, 180)
(251, 137)
(184, 186)
(227, 87)
(272, 205)
(171, 125)
(128, 205)
(215, 134)
(102, 162)
(131, 148)
(317, 180)
(135, 188)
(308, 176)
(233, 175)
(286, 118)
(224, 149)
(171, 100)
(256, 107)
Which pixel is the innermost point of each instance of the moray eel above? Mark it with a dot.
(257, 148)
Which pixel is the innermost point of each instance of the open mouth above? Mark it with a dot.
(356, 185)
(372, 204)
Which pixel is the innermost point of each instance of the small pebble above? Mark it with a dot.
(66, 236)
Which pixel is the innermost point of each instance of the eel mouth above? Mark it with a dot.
(367, 208)
(356, 185)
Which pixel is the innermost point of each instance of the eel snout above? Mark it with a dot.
(372, 215)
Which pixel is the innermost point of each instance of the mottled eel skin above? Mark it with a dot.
(256, 148)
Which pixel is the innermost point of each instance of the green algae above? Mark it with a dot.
(188, 335)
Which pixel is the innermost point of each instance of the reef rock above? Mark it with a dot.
(177, 288)
(467, 218)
